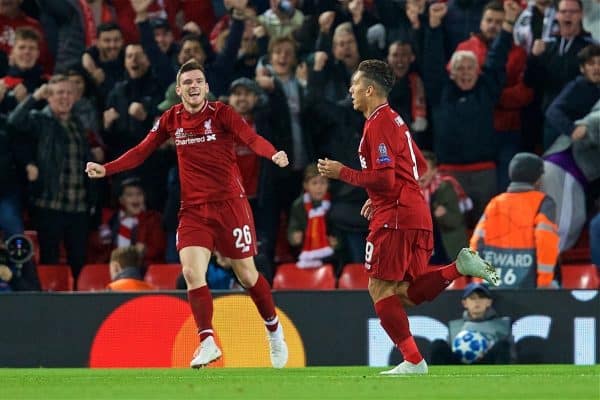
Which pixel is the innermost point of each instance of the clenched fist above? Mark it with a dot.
(280, 159)
(95, 170)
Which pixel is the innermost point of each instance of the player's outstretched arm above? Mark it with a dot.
(95, 170)
(379, 179)
(280, 158)
(329, 168)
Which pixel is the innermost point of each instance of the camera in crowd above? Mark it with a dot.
(16, 251)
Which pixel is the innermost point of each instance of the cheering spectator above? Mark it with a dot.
(463, 104)
(407, 97)
(24, 74)
(515, 95)
(537, 21)
(61, 194)
(11, 19)
(282, 19)
(130, 110)
(104, 60)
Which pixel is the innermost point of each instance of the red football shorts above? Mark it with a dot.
(398, 254)
(226, 226)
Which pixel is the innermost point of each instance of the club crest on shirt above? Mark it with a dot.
(208, 127)
(383, 154)
(155, 126)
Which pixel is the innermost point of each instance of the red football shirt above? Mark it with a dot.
(386, 143)
(205, 151)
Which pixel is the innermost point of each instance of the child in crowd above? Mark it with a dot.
(133, 225)
(308, 221)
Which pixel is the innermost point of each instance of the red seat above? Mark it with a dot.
(580, 252)
(353, 276)
(580, 276)
(55, 278)
(163, 276)
(93, 277)
(458, 283)
(290, 277)
(33, 236)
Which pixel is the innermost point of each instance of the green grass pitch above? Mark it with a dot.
(443, 382)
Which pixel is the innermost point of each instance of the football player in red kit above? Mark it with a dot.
(400, 237)
(214, 214)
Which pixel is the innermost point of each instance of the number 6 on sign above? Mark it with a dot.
(243, 238)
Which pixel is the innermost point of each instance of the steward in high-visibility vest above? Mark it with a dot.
(517, 233)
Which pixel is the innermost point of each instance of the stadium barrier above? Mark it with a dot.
(322, 328)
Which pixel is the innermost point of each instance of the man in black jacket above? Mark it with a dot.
(60, 150)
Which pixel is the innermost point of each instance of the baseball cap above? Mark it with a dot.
(476, 287)
(170, 100)
(246, 83)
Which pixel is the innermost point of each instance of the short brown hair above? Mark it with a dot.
(493, 5)
(277, 40)
(26, 33)
(127, 256)
(588, 53)
(189, 65)
(310, 172)
(57, 78)
(378, 72)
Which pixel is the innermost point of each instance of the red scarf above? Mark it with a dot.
(316, 244)
(464, 202)
(417, 101)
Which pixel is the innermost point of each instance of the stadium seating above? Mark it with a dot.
(290, 277)
(580, 252)
(580, 276)
(163, 276)
(93, 277)
(353, 276)
(55, 278)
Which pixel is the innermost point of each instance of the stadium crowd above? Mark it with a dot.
(85, 80)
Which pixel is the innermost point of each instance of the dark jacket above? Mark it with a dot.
(63, 25)
(492, 325)
(550, 72)
(574, 102)
(463, 121)
(47, 137)
(8, 162)
(126, 131)
(281, 123)
(31, 79)
(335, 77)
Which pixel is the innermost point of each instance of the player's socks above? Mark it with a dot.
(429, 285)
(202, 308)
(263, 299)
(395, 322)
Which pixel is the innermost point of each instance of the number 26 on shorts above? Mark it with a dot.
(243, 238)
